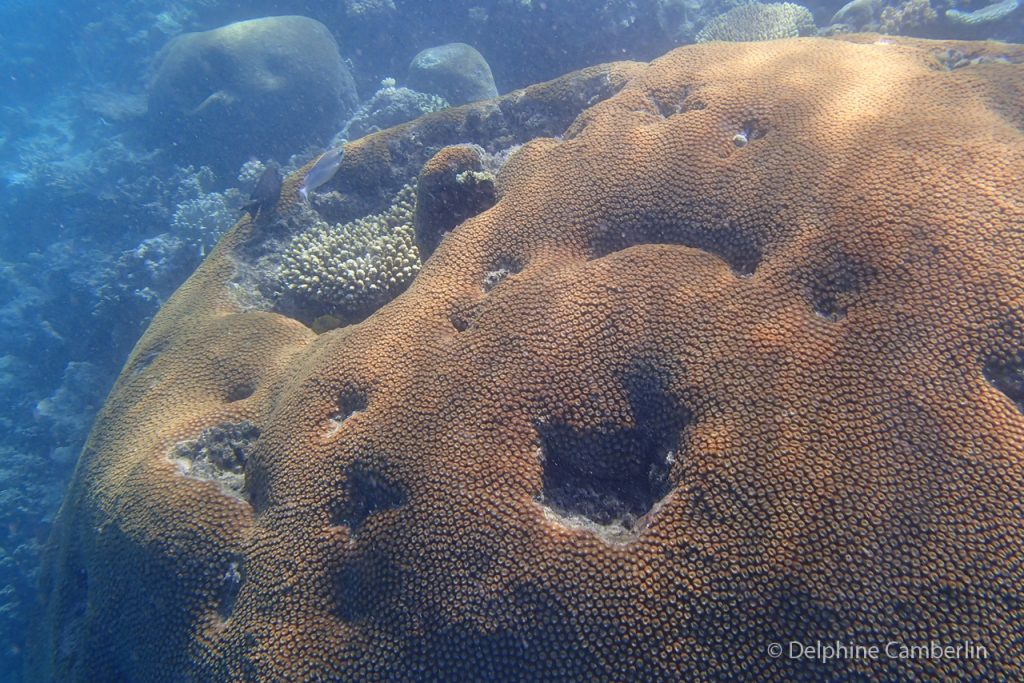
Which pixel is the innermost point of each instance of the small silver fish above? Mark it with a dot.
(323, 170)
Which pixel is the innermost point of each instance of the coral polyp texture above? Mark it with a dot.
(734, 361)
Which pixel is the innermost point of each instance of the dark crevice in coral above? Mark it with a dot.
(146, 359)
(1007, 375)
(464, 315)
(501, 269)
(833, 286)
(952, 59)
(230, 586)
(739, 248)
(608, 480)
(675, 103)
(367, 493)
(751, 130)
(240, 392)
(349, 403)
(257, 487)
(495, 125)
(219, 455)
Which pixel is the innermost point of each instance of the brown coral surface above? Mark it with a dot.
(737, 361)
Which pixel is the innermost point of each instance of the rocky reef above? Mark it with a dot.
(733, 359)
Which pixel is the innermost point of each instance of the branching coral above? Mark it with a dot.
(203, 217)
(388, 107)
(354, 268)
(910, 18)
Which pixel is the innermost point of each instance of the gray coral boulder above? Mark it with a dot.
(456, 71)
(759, 21)
(262, 87)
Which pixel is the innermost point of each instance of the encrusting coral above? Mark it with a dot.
(671, 400)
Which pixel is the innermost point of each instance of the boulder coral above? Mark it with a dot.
(455, 71)
(735, 361)
(759, 21)
(455, 184)
(224, 95)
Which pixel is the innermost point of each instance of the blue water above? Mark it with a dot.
(102, 216)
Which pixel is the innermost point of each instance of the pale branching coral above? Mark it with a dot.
(351, 269)
(250, 174)
(907, 19)
(389, 107)
(759, 21)
(200, 219)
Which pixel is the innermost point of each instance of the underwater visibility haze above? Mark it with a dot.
(512, 340)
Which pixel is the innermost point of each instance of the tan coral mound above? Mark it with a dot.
(737, 361)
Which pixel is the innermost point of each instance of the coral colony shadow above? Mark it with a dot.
(379, 340)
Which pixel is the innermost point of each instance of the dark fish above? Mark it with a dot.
(266, 193)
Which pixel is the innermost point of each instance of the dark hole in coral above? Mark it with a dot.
(459, 322)
(444, 200)
(350, 402)
(256, 487)
(239, 392)
(147, 358)
(674, 103)
(614, 476)
(832, 287)
(951, 59)
(219, 455)
(230, 585)
(502, 268)
(1008, 377)
(751, 129)
(367, 493)
(737, 247)
(464, 314)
